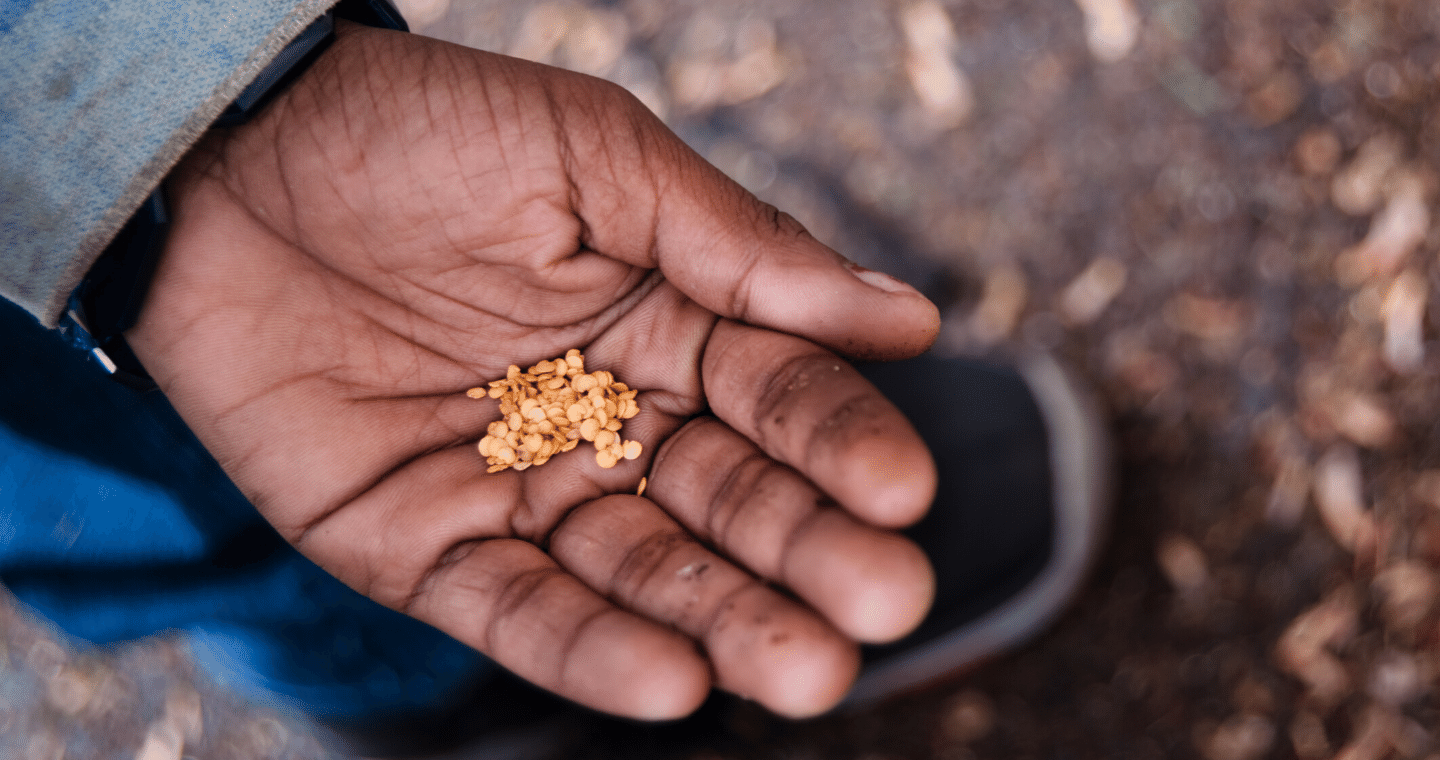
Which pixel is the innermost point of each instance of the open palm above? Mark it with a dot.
(412, 217)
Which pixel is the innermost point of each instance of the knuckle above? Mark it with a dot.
(859, 416)
(738, 488)
(787, 382)
(643, 559)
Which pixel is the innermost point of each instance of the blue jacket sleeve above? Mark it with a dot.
(98, 101)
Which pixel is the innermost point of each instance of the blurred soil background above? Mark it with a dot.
(1220, 211)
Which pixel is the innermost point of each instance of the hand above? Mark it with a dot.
(411, 217)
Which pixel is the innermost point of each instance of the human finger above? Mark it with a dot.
(873, 585)
(509, 600)
(806, 407)
(648, 199)
(761, 645)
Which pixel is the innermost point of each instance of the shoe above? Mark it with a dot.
(1019, 517)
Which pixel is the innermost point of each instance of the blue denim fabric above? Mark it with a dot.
(115, 523)
(98, 100)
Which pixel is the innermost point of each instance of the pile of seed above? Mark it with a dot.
(550, 407)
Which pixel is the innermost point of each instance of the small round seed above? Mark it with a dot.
(605, 459)
(550, 407)
(588, 429)
(632, 449)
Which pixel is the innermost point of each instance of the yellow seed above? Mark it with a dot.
(632, 449)
(605, 459)
(550, 407)
(496, 468)
(588, 429)
(641, 490)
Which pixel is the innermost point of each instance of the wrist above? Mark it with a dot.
(108, 300)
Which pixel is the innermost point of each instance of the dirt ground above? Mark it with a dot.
(1222, 213)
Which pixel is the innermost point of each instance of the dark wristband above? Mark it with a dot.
(108, 300)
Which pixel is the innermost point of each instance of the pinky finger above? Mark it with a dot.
(509, 600)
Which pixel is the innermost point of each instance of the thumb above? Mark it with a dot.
(661, 205)
(745, 259)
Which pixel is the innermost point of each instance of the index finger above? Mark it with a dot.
(805, 406)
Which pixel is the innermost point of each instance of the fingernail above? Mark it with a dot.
(879, 279)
